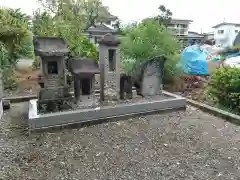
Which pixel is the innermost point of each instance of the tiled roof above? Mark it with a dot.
(100, 28)
(185, 21)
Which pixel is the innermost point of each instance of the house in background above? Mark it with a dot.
(97, 31)
(180, 27)
(209, 36)
(225, 33)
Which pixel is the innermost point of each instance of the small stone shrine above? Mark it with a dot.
(52, 51)
(109, 53)
(126, 86)
(83, 71)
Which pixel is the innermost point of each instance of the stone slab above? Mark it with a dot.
(37, 121)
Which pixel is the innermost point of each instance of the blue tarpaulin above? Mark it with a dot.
(194, 61)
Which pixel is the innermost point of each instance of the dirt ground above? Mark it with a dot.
(27, 83)
(177, 145)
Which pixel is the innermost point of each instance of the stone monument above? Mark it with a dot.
(148, 78)
(109, 53)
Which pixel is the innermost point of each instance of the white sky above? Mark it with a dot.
(204, 13)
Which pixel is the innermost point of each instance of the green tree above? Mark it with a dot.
(146, 41)
(165, 15)
(15, 33)
(67, 19)
(84, 13)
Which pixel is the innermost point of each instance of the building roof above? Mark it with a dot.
(209, 33)
(225, 23)
(184, 21)
(82, 65)
(101, 29)
(192, 34)
(50, 46)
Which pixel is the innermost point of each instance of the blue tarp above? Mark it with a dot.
(194, 61)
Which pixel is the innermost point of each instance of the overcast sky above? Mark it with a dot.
(204, 13)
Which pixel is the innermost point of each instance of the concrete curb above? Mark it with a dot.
(215, 111)
(38, 121)
(17, 99)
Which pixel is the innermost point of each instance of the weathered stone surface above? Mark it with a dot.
(125, 86)
(148, 78)
(109, 40)
(111, 78)
(50, 46)
(6, 104)
(54, 93)
(152, 79)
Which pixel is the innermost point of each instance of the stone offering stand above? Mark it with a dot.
(99, 90)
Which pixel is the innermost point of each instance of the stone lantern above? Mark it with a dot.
(109, 53)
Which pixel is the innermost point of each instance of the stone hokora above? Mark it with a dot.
(83, 71)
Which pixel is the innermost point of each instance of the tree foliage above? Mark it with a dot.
(165, 16)
(84, 13)
(69, 19)
(146, 41)
(15, 34)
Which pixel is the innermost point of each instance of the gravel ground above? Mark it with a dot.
(178, 145)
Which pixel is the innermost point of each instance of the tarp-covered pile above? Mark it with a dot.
(194, 60)
(203, 60)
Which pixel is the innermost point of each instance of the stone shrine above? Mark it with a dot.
(83, 71)
(52, 51)
(109, 54)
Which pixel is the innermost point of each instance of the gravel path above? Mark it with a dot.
(177, 146)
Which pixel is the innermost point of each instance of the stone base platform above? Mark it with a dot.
(108, 112)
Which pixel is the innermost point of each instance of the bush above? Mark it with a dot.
(4, 55)
(36, 63)
(224, 88)
(9, 79)
(171, 71)
(148, 40)
(25, 49)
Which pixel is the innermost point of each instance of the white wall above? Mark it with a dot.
(228, 36)
(179, 28)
